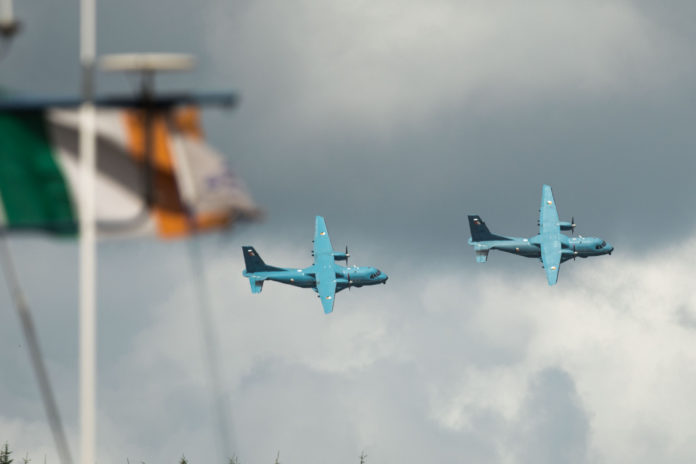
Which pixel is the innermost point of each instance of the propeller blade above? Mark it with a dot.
(572, 225)
(347, 256)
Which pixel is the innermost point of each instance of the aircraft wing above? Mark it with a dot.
(322, 242)
(551, 257)
(326, 286)
(324, 265)
(548, 215)
(550, 235)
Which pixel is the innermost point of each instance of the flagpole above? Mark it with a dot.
(87, 236)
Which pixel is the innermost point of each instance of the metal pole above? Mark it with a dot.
(147, 93)
(220, 405)
(32, 340)
(6, 14)
(9, 26)
(87, 236)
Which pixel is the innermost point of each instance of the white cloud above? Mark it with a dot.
(446, 363)
(421, 367)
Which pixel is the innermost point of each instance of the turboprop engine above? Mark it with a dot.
(338, 256)
(568, 225)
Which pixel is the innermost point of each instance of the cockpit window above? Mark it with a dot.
(603, 244)
(378, 273)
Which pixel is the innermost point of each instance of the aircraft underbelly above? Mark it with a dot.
(297, 280)
(520, 248)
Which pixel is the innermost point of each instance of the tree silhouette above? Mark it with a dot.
(5, 455)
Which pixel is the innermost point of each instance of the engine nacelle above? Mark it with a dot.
(341, 256)
(566, 225)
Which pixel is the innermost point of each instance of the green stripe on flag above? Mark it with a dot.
(33, 189)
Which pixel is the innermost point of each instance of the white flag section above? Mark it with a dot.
(191, 188)
(206, 184)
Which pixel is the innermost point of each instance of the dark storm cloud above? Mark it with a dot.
(405, 119)
(411, 118)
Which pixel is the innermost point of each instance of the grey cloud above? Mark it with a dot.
(553, 426)
(685, 316)
(463, 108)
(382, 410)
(405, 119)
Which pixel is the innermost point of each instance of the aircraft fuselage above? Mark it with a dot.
(353, 276)
(578, 247)
(325, 276)
(551, 246)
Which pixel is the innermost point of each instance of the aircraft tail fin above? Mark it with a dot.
(480, 232)
(254, 263)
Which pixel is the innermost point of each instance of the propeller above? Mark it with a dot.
(575, 253)
(350, 282)
(572, 226)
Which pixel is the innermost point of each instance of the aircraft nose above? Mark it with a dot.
(610, 248)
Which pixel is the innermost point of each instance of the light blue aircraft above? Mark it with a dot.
(551, 246)
(325, 276)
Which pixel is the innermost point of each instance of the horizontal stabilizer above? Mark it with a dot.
(481, 251)
(482, 255)
(256, 284)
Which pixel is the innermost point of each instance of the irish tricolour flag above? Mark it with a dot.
(189, 188)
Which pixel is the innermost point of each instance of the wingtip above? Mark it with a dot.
(320, 223)
(328, 306)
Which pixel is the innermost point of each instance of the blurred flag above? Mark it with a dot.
(191, 187)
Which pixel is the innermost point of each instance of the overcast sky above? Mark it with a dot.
(394, 120)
